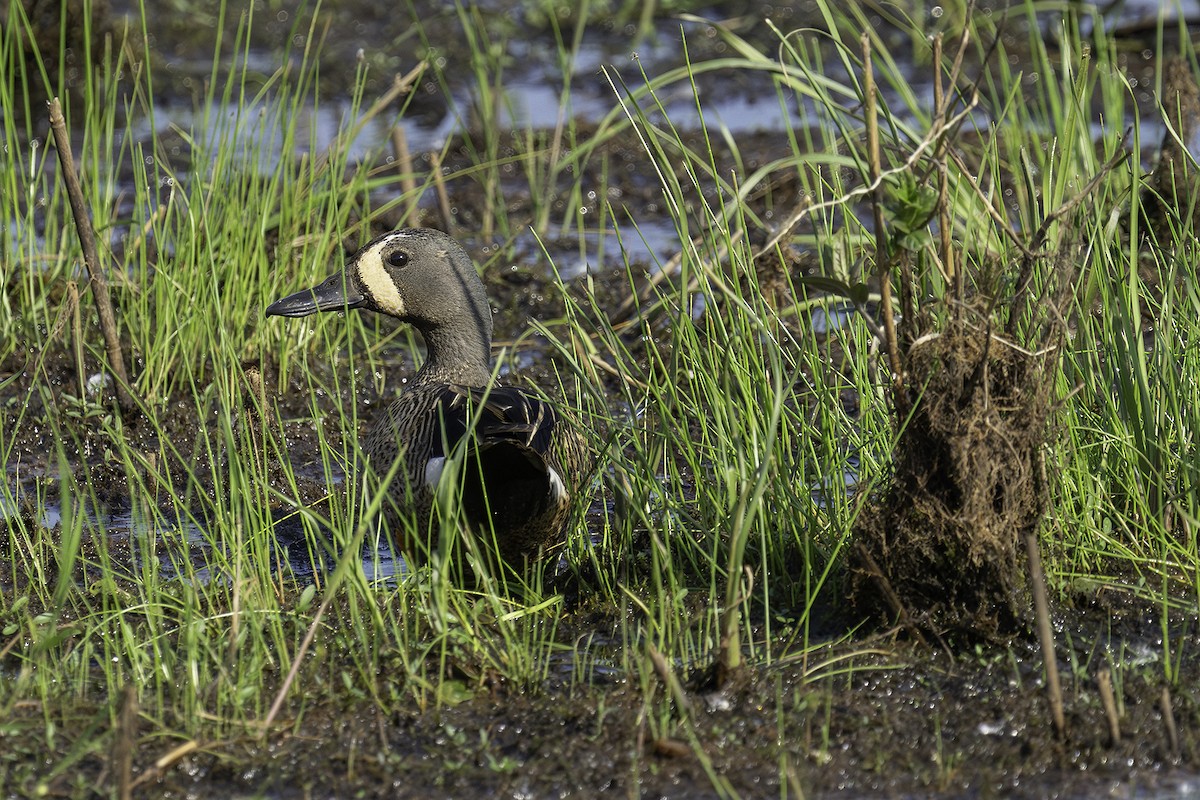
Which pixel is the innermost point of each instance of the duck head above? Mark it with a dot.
(417, 275)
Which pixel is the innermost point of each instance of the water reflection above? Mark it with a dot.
(177, 546)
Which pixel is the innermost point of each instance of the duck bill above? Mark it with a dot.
(335, 293)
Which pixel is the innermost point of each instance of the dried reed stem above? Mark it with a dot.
(670, 681)
(125, 743)
(439, 183)
(401, 85)
(404, 166)
(294, 670)
(1041, 606)
(1168, 715)
(875, 170)
(91, 256)
(77, 336)
(1104, 684)
(949, 267)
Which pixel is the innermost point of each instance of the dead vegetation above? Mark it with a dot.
(945, 548)
(941, 550)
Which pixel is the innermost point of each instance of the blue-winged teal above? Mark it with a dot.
(523, 461)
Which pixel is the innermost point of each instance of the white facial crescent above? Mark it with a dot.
(374, 278)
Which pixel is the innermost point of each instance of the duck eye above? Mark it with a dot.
(398, 258)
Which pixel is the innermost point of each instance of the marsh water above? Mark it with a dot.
(907, 721)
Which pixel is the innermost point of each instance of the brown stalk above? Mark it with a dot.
(235, 616)
(670, 269)
(91, 256)
(949, 268)
(439, 183)
(1037, 582)
(1168, 715)
(1104, 684)
(404, 166)
(1041, 607)
(401, 85)
(670, 681)
(1032, 251)
(889, 595)
(77, 336)
(807, 208)
(491, 174)
(294, 670)
(166, 761)
(125, 743)
(875, 171)
(938, 134)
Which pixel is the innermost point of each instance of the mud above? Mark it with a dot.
(881, 719)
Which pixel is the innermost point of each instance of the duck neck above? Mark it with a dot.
(459, 356)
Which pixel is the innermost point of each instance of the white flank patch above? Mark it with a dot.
(378, 283)
(433, 471)
(557, 489)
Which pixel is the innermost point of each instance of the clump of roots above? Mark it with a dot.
(942, 550)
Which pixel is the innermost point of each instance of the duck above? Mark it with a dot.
(524, 461)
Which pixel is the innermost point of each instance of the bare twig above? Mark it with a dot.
(1032, 251)
(125, 743)
(404, 166)
(1104, 684)
(166, 761)
(670, 680)
(963, 41)
(889, 594)
(596, 360)
(1117, 160)
(1168, 715)
(1003, 224)
(1041, 606)
(882, 260)
(296, 663)
(949, 270)
(77, 336)
(91, 256)
(439, 183)
(401, 85)
(805, 209)
(669, 269)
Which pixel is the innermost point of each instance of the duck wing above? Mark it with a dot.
(499, 415)
(513, 481)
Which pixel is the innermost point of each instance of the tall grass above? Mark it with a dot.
(730, 467)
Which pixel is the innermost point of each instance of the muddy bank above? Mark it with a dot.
(873, 719)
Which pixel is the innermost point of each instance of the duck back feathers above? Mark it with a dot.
(521, 460)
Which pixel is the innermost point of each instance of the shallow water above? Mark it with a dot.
(182, 549)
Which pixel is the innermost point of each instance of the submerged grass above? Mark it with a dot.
(736, 448)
